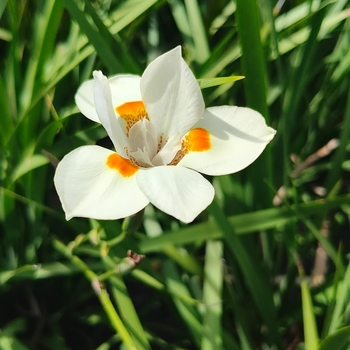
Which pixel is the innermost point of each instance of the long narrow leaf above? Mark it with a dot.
(212, 297)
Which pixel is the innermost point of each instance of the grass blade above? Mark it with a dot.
(212, 298)
(310, 328)
(99, 41)
(258, 287)
(339, 340)
(198, 32)
(187, 311)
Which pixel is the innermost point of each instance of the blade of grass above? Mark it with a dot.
(243, 223)
(7, 121)
(126, 60)
(255, 84)
(310, 328)
(100, 43)
(46, 26)
(187, 311)
(2, 7)
(128, 312)
(179, 13)
(339, 340)
(298, 80)
(101, 293)
(252, 55)
(206, 83)
(127, 12)
(198, 32)
(341, 302)
(340, 154)
(212, 296)
(259, 287)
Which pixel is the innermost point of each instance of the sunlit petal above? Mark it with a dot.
(171, 94)
(180, 192)
(124, 88)
(106, 113)
(94, 182)
(237, 137)
(84, 98)
(168, 151)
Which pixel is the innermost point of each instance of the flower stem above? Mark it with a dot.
(101, 293)
(130, 225)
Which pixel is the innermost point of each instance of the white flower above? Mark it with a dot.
(163, 136)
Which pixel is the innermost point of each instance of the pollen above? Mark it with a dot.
(132, 112)
(160, 143)
(196, 140)
(124, 166)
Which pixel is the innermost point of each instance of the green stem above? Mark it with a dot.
(101, 294)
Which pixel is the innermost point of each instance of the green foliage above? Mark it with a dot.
(265, 267)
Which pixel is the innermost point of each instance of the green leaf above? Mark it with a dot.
(341, 301)
(186, 310)
(310, 328)
(28, 164)
(100, 42)
(258, 287)
(206, 83)
(242, 223)
(198, 31)
(11, 343)
(212, 297)
(339, 340)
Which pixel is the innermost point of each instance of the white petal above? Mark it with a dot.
(168, 151)
(106, 114)
(125, 88)
(143, 134)
(171, 94)
(237, 137)
(84, 98)
(180, 192)
(87, 187)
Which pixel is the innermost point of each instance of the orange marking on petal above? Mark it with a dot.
(132, 112)
(124, 166)
(198, 140)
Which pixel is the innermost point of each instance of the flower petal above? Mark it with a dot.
(106, 113)
(84, 98)
(124, 88)
(171, 94)
(94, 182)
(168, 151)
(180, 192)
(237, 137)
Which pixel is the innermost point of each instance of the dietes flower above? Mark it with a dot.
(163, 138)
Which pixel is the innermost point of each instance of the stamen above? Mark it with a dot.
(160, 143)
(132, 112)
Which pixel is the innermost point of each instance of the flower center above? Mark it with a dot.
(132, 112)
(147, 147)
